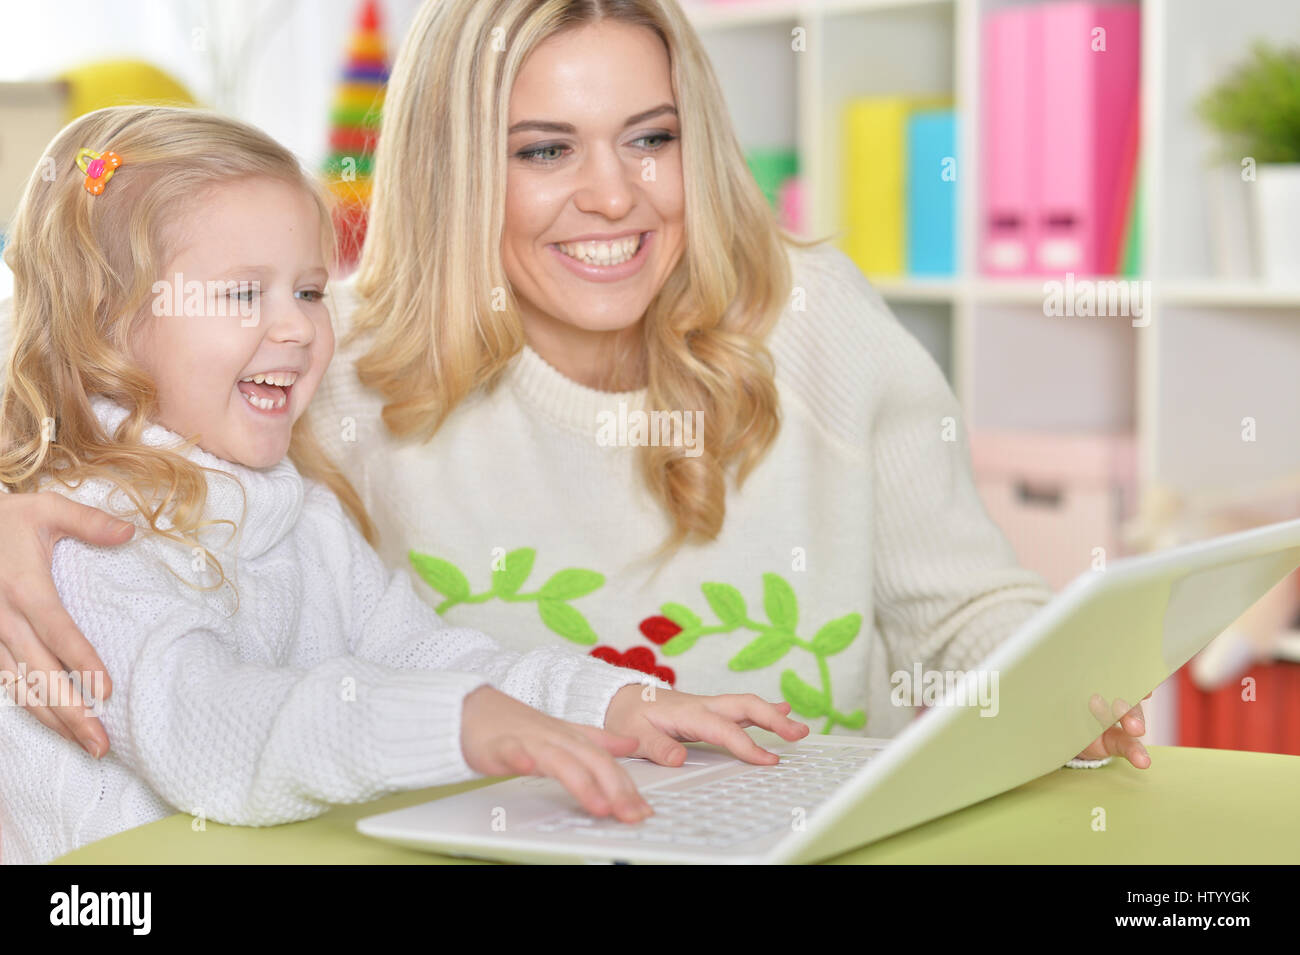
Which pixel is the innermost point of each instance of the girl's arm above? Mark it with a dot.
(252, 743)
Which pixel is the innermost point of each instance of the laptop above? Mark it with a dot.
(1104, 642)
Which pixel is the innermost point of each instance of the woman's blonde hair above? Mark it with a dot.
(432, 256)
(84, 268)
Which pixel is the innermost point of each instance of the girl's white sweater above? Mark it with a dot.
(330, 681)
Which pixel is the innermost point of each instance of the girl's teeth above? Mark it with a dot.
(281, 380)
(602, 253)
(266, 404)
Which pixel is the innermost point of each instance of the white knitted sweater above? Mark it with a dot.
(332, 682)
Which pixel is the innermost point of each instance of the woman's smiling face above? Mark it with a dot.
(594, 220)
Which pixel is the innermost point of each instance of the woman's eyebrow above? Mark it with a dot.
(547, 126)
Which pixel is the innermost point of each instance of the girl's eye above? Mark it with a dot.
(244, 293)
(312, 295)
(532, 155)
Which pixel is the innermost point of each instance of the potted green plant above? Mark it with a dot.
(1255, 110)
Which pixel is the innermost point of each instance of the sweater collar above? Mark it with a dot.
(264, 511)
(546, 388)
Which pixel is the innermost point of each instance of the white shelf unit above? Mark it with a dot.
(1219, 347)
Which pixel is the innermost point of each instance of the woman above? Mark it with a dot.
(590, 392)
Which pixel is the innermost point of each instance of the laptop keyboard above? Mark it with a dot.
(719, 813)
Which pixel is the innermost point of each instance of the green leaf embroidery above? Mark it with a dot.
(571, 584)
(762, 652)
(803, 699)
(773, 641)
(854, 721)
(518, 565)
(441, 575)
(446, 578)
(682, 616)
(566, 621)
(726, 602)
(680, 643)
(779, 602)
(837, 634)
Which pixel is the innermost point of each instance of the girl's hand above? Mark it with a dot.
(657, 724)
(501, 736)
(36, 633)
(1121, 739)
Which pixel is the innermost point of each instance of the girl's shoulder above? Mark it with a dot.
(838, 346)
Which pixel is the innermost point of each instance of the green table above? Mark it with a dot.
(1192, 806)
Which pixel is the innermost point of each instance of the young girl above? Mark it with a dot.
(170, 270)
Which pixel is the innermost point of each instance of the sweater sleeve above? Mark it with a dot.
(395, 627)
(250, 743)
(946, 583)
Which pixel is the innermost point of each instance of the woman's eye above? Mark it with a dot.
(244, 293)
(312, 295)
(533, 155)
(666, 137)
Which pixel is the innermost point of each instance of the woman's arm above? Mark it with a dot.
(36, 633)
(948, 586)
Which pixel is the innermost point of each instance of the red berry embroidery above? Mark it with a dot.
(609, 655)
(636, 658)
(659, 629)
(639, 658)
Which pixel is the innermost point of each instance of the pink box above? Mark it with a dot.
(1087, 103)
(1058, 137)
(1010, 65)
(1057, 497)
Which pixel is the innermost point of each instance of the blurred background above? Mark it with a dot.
(1088, 213)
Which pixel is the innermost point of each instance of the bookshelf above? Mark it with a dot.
(929, 47)
(1220, 346)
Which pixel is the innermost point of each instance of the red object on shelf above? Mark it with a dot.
(1221, 719)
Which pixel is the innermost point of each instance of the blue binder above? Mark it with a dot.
(932, 177)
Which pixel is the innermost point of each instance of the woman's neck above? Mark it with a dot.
(603, 360)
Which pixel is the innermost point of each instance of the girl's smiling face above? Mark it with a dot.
(241, 298)
(595, 206)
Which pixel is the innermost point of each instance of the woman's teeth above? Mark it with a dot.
(602, 253)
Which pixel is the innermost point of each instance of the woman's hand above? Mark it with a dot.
(658, 723)
(1120, 739)
(36, 634)
(501, 736)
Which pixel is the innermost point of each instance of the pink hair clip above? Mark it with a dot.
(98, 169)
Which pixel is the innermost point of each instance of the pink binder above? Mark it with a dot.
(1009, 154)
(1085, 122)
